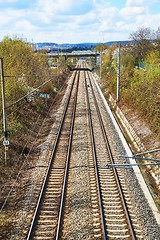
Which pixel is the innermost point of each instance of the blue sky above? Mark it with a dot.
(74, 21)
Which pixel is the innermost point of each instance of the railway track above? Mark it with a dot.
(80, 197)
(119, 218)
(47, 217)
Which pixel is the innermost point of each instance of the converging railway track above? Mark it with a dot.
(81, 198)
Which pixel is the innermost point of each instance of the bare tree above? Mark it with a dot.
(142, 40)
(157, 38)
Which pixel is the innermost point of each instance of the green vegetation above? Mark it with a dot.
(140, 87)
(24, 71)
(139, 84)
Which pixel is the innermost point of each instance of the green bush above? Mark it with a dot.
(139, 88)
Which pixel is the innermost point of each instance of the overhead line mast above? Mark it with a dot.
(5, 141)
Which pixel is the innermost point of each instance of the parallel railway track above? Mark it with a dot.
(47, 217)
(117, 217)
(106, 199)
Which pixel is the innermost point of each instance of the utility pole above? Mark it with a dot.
(5, 142)
(118, 75)
(65, 57)
(100, 65)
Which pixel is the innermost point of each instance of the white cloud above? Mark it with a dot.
(148, 21)
(133, 11)
(68, 7)
(4, 19)
(24, 24)
(133, 3)
(107, 15)
(76, 20)
(10, 16)
(52, 7)
(133, 8)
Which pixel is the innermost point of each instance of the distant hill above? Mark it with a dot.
(68, 47)
(118, 42)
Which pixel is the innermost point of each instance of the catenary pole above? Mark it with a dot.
(100, 64)
(118, 74)
(5, 142)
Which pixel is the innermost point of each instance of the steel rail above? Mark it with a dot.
(96, 164)
(132, 232)
(67, 162)
(35, 217)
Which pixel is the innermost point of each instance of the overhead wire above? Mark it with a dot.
(28, 94)
(20, 170)
(24, 147)
(34, 126)
(35, 89)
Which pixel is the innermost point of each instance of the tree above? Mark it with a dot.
(152, 58)
(157, 38)
(26, 71)
(142, 41)
(30, 69)
(100, 48)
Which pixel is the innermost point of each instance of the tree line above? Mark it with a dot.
(140, 74)
(24, 71)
